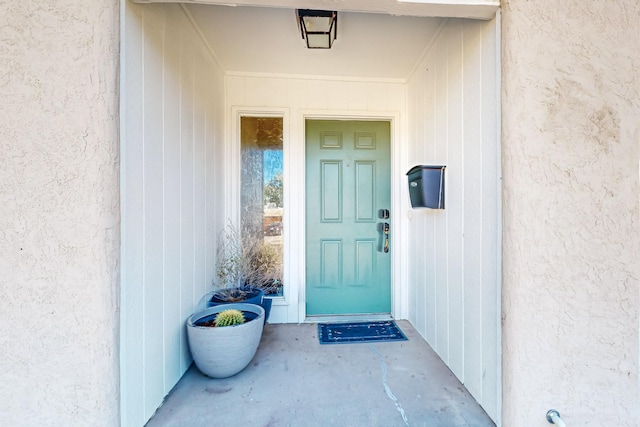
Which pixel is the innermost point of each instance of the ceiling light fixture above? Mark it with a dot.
(318, 27)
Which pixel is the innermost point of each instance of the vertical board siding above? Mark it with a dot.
(473, 199)
(171, 223)
(132, 356)
(417, 146)
(215, 174)
(173, 99)
(201, 283)
(491, 229)
(454, 264)
(427, 248)
(172, 192)
(299, 94)
(152, 165)
(187, 291)
(440, 144)
(455, 203)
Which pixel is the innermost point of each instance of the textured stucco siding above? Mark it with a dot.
(59, 220)
(571, 132)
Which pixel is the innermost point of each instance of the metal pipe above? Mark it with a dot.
(553, 417)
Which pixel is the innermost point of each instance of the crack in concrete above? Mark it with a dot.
(387, 389)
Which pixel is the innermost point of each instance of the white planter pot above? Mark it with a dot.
(220, 352)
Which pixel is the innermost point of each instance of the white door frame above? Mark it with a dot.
(398, 227)
(232, 187)
(291, 308)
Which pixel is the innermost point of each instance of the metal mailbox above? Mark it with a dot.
(426, 186)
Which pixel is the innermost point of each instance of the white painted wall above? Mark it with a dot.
(571, 103)
(297, 98)
(454, 254)
(172, 205)
(59, 213)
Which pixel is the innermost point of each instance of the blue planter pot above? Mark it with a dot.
(251, 296)
(266, 304)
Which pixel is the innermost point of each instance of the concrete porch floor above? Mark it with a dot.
(295, 381)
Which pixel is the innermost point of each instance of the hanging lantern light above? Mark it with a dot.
(319, 28)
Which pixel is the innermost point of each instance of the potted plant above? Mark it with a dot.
(223, 339)
(247, 269)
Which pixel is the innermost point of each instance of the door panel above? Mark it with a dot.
(365, 191)
(331, 191)
(347, 183)
(330, 263)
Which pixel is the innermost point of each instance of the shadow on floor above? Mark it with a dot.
(295, 381)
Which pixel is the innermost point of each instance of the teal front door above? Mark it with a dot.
(347, 199)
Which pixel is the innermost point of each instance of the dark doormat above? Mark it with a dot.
(356, 332)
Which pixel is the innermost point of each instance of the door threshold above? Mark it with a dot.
(337, 318)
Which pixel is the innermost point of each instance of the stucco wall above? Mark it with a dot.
(59, 230)
(571, 103)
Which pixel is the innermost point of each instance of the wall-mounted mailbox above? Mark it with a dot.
(426, 186)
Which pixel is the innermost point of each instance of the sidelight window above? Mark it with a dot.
(262, 196)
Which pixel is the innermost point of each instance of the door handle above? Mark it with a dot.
(386, 236)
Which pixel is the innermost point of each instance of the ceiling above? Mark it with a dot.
(249, 39)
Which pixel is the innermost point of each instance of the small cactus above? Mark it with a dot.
(229, 318)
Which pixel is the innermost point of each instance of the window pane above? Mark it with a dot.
(261, 199)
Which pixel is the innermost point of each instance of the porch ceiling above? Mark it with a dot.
(376, 38)
(267, 40)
